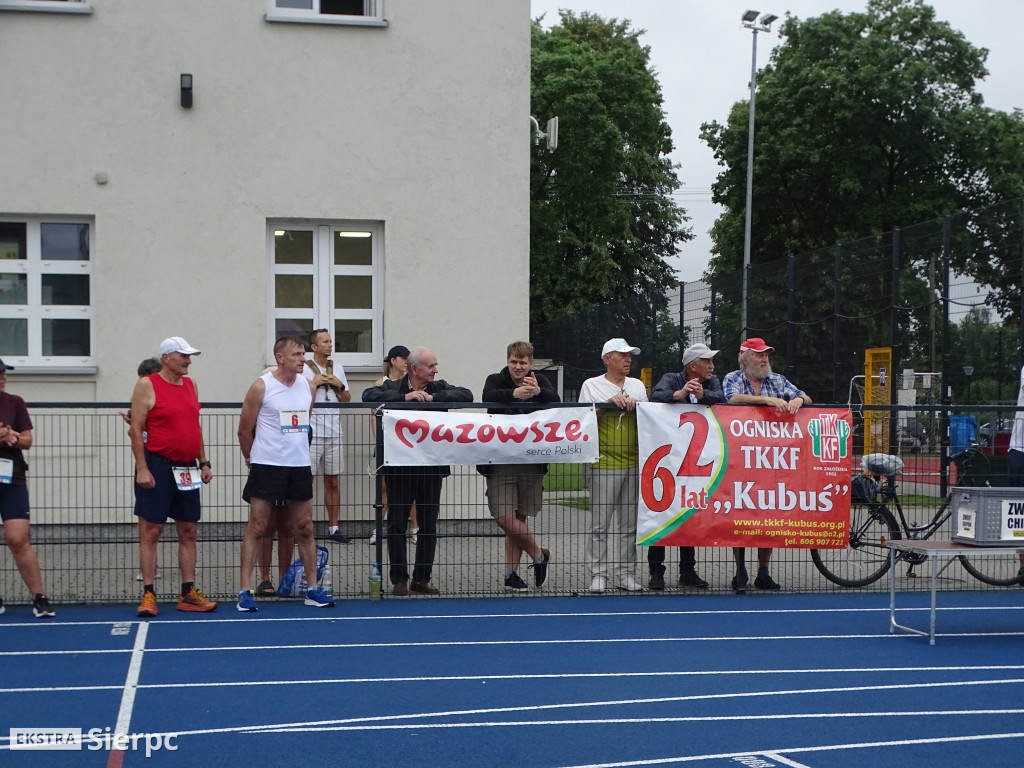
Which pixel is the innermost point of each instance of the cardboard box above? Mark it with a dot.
(988, 516)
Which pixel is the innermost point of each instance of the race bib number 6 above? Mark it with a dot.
(294, 421)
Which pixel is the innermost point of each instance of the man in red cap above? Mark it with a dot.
(755, 384)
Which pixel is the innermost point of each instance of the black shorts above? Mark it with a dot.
(13, 502)
(278, 485)
(164, 499)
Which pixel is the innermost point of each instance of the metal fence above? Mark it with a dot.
(944, 295)
(83, 530)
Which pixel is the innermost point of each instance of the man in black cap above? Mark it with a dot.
(696, 383)
(15, 437)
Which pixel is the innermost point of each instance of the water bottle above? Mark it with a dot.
(374, 582)
(326, 581)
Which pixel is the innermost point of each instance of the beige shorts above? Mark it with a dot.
(515, 488)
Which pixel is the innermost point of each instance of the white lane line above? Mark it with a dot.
(791, 750)
(214, 619)
(536, 676)
(131, 683)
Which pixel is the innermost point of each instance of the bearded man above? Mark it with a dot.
(755, 384)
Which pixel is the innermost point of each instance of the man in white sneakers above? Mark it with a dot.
(273, 433)
(614, 478)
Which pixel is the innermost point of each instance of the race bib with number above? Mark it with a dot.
(294, 421)
(188, 478)
(6, 471)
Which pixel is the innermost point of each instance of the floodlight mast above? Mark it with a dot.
(751, 22)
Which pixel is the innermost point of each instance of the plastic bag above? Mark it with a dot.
(294, 582)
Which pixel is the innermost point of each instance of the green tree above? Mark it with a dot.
(602, 220)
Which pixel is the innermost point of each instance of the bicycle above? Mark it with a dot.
(872, 522)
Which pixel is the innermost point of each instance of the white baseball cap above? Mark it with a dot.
(176, 344)
(618, 345)
(697, 352)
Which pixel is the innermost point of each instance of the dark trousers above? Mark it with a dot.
(405, 486)
(656, 559)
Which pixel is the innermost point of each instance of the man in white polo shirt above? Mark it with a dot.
(615, 478)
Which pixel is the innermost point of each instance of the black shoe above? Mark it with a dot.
(515, 584)
(656, 582)
(540, 570)
(766, 582)
(739, 583)
(339, 537)
(266, 589)
(1020, 580)
(691, 579)
(41, 607)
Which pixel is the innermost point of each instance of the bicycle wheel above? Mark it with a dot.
(998, 571)
(865, 560)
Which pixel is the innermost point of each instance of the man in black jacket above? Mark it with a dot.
(514, 491)
(696, 383)
(407, 485)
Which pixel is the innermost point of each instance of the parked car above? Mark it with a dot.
(911, 440)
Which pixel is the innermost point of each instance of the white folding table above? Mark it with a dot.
(935, 551)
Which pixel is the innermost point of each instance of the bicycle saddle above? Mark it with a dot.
(882, 464)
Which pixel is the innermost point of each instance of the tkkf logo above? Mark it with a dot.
(829, 437)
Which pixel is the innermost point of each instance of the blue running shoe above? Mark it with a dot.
(246, 601)
(315, 596)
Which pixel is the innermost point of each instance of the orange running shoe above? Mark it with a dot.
(194, 601)
(147, 608)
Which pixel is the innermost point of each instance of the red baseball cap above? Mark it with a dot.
(755, 345)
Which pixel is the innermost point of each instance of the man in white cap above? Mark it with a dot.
(697, 384)
(755, 384)
(614, 478)
(170, 468)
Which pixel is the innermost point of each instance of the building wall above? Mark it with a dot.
(422, 125)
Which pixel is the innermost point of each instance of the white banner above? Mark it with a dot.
(549, 436)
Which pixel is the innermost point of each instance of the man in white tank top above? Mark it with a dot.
(273, 433)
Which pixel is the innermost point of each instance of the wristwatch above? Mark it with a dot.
(205, 464)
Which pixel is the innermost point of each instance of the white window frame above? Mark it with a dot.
(373, 15)
(47, 6)
(34, 311)
(323, 269)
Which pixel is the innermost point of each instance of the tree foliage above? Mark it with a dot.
(863, 121)
(602, 220)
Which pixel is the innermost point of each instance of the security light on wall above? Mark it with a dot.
(186, 91)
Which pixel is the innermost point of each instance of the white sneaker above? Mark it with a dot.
(138, 576)
(373, 537)
(414, 535)
(598, 584)
(629, 584)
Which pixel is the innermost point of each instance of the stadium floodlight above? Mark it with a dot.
(749, 21)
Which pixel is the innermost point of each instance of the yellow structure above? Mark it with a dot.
(877, 391)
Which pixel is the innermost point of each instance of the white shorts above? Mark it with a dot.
(327, 453)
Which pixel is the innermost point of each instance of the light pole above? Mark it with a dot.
(755, 25)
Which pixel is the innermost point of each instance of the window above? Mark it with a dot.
(53, 6)
(327, 275)
(361, 12)
(46, 315)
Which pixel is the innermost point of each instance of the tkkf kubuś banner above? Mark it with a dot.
(743, 476)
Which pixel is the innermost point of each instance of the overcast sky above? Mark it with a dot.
(701, 54)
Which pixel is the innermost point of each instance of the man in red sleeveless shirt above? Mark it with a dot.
(170, 468)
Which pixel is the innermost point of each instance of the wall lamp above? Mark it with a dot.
(186, 91)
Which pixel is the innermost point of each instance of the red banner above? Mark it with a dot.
(743, 476)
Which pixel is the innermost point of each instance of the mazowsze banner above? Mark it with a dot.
(548, 436)
(743, 476)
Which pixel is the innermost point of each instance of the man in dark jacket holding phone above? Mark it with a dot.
(514, 491)
(407, 485)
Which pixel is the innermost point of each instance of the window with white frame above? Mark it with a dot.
(327, 275)
(364, 12)
(46, 313)
(52, 6)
